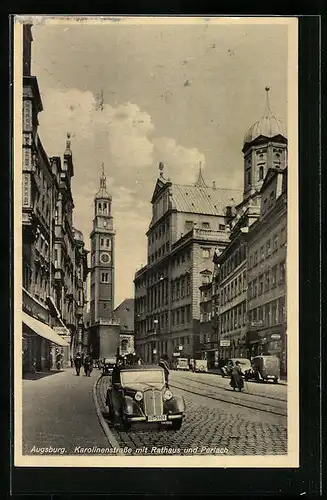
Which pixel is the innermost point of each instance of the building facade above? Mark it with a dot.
(125, 313)
(235, 283)
(104, 326)
(266, 269)
(49, 319)
(188, 224)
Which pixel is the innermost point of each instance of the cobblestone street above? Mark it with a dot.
(212, 426)
(59, 412)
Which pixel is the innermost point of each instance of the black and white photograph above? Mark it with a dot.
(155, 241)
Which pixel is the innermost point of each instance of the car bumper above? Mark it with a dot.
(145, 419)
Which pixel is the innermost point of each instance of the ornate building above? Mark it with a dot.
(266, 269)
(264, 149)
(104, 327)
(50, 289)
(188, 224)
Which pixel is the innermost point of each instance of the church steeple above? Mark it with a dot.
(200, 182)
(103, 193)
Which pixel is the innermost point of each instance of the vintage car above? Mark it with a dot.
(108, 365)
(139, 394)
(264, 368)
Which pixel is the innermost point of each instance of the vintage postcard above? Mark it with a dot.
(156, 241)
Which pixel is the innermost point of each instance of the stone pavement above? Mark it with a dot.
(58, 411)
(210, 427)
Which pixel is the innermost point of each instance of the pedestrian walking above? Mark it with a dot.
(236, 379)
(78, 363)
(163, 362)
(88, 365)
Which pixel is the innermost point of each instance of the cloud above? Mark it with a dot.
(121, 137)
(182, 164)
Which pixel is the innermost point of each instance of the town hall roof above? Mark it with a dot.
(202, 200)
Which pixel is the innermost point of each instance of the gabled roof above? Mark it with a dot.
(160, 184)
(125, 312)
(202, 200)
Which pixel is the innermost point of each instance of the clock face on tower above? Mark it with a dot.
(105, 257)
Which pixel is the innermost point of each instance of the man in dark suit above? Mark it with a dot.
(164, 364)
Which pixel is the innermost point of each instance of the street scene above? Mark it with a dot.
(217, 421)
(154, 269)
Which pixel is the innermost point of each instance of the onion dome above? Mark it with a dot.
(103, 193)
(268, 126)
(78, 235)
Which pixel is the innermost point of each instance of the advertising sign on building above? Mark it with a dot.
(225, 343)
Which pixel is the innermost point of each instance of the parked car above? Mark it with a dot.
(182, 364)
(264, 368)
(245, 364)
(139, 394)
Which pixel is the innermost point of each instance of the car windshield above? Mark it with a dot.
(146, 377)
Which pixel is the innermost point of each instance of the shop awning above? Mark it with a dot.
(43, 330)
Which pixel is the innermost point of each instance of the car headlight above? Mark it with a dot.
(167, 395)
(138, 396)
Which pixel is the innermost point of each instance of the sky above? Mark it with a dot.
(180, 94)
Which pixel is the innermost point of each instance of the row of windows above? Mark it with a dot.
(181, 315)
(205, 316)
(189, 225)
(104, 242)
(234, 318)
(158, 322)
(157, 295)
(233, 261)
(271, 246)
(268, 314)
(268, 280)
(233, 289)
(181, 257)
(181, 287)
(164, 249)
(161, 230)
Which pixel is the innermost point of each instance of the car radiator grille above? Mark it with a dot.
(153, 404)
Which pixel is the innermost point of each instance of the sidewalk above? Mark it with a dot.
(58, 411)
(216, 371)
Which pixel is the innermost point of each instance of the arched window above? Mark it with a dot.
(99, 206)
